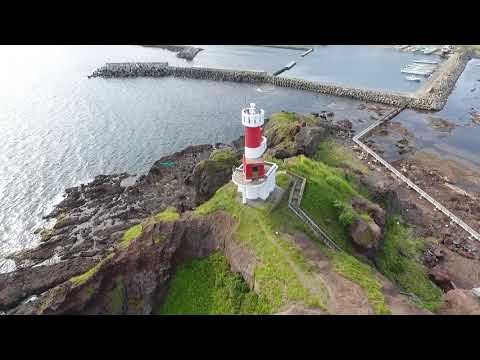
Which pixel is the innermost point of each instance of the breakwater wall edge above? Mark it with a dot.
(431, 97)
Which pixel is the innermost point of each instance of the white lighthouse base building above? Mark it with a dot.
(255, 189)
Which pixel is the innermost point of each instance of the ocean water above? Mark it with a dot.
(59, 129)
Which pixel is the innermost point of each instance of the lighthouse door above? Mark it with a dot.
(255, 172)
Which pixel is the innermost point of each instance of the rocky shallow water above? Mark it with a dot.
(451, 133)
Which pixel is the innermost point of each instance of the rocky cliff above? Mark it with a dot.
(93, 217)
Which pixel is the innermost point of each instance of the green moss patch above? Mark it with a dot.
(282, 127)
(223, 156)
(282, 274)
(129, 235)
(327, 197)
(83, 278)
(220, 160)
(282, 180)
(336, 155)
(208, 287)
(46, 234)
(169, 214)
(399, 260)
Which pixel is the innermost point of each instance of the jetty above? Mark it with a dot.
(285, 68)
(306, 53)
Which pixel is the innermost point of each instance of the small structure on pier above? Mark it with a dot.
(255, 178)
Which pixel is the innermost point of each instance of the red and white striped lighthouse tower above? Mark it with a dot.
(255, 178)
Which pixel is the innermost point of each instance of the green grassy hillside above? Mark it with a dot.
(208, 287)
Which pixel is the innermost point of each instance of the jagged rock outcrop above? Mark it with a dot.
(308, 139)
(188, 52)
(93, 216)
(291, 134)
(134, 277)
(211, 174)
(366, 229)
(373, 210)
(366, 234)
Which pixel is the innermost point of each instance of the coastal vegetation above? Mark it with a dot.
(361, 274)
(336, 155)
(282, 275)
(169, 214)
(399, 260)
(282, 221)
(208, 287)
(327, 197)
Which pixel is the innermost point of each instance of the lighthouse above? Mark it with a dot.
(255, 178)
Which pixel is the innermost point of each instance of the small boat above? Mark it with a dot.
(425, 61)
(415, 72)
(413, 78)
(429, 51)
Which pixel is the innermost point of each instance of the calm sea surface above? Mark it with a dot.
(59, 129)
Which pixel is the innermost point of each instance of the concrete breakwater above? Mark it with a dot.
(437, 88)
(432, 97)
(111, 70)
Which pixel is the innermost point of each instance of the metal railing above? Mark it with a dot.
(455, 219)
(297, 210)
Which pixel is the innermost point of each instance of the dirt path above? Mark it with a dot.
(346, 297)
(313, 283)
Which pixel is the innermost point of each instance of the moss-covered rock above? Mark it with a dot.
(211, 174)
(290, 134)
(46, 234)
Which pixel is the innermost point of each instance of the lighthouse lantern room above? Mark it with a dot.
(255, 178)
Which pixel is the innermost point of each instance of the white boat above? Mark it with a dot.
(413, 78)
(429, 51)
(415, 72)
(425, 61)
